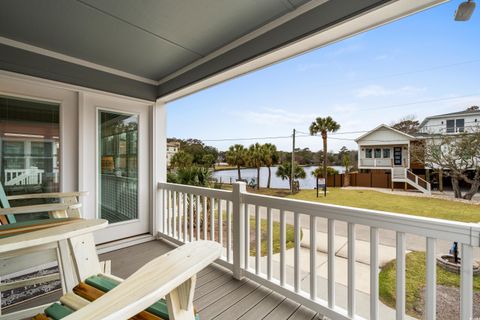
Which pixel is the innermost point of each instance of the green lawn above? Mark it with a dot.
(369, 199)
(415, 281)
(289, 237)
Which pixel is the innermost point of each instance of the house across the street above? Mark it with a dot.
(385, 149)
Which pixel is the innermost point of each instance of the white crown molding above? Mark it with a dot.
(63, 57)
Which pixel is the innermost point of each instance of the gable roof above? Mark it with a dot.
(410, 137)
(451, 114)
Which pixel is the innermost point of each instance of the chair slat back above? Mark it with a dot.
(5, 204)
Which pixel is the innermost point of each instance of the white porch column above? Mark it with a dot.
(158, 163)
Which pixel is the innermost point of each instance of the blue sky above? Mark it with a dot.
(373, 78)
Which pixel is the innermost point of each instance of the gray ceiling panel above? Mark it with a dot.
(71, 28)
(201, 26)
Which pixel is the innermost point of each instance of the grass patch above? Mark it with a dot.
(418, 206)
(289, 237)
(415, 281)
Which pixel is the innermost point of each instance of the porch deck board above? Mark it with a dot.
(217, 294)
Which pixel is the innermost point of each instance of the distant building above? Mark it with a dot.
(172, 148)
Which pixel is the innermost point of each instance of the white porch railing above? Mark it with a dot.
(376, 162)
(17, 177)
(189, 213)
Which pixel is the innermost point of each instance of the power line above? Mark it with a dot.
(420, 102)
(392, 75)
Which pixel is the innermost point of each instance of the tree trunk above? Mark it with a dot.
(456, 188)
(239, 173)
(325, 156)
(269, 177)
(473, 190)
(258, 178)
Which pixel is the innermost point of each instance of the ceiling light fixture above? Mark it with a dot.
(465, 11)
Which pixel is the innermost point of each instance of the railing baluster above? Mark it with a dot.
(258, 240)
(431, 299)
(247, 237)
(313, 257)
(191, 217)
(229, 232)
(466, 282)
(374, 273)
(164, 211)
(220, 221)
(185, 225)
(197, 198)
(296, 263)
(179, 216)
(212, 219)
(283, 247)
(400, 286)
(269, 243)
(205, 218)
(169, 203)
(331, 263)
(351, 270)
(174, 213)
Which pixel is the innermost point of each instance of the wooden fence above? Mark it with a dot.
(369, 180)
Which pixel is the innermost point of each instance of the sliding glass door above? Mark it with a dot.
(118, 167)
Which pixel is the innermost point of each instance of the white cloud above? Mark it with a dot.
(380, 91)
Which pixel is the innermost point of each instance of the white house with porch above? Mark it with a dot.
(385, 148)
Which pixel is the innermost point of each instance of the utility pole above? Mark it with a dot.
(292, 178)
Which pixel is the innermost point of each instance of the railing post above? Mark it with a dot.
(238, 229)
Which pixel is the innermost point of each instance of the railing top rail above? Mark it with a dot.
(419, 178)
(200, 191)
(468, 233)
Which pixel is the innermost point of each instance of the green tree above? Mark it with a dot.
(208, 160)
(181, 159)
(324, 126)
(284, 171)
(270, 158)
(256, 158)
(237, 156)
(192, 175)
(318, 172)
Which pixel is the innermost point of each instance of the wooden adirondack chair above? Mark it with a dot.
(91, 294)
(59, 214)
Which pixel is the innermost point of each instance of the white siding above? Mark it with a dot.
(383, 136)
(439, 125)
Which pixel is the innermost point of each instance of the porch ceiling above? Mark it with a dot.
(151, 48)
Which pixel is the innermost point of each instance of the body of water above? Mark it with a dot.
(309, 182)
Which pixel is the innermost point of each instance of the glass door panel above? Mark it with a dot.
(118, 167)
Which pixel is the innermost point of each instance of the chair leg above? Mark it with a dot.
(180, 301)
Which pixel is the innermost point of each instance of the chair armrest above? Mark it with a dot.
(48, 195)
(39, 208)
(150, 283)
(45, 236)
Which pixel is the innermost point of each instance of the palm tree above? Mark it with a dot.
(323, 126)
(284, 171)
(237, 156)
(270, 159)
(256, 159)
(181, 159)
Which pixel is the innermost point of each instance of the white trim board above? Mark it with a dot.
(369, 20)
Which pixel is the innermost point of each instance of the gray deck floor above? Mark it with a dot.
(217, 294)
